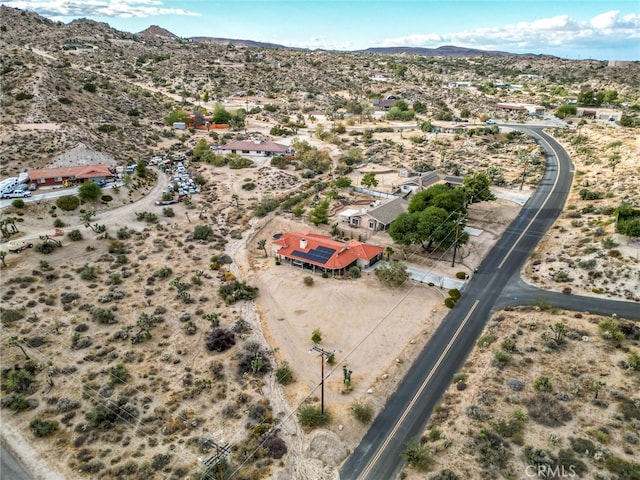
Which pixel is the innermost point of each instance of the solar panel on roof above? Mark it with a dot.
(318, 255)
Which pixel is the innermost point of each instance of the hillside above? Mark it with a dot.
(126, 352)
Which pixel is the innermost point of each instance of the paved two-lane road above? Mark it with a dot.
(497, 284)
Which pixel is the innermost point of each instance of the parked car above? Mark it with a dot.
(17, 194)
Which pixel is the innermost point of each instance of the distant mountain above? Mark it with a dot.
(156, 31)
(448, 51)
(240, 43)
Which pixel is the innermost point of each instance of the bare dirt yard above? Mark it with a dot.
(176, 392)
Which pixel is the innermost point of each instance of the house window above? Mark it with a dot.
(72, 177)
(372, 225)
(58, 179)
(41, 180)
(245, 151)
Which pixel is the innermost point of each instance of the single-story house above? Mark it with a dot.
(253, 148)
(424, 180)
(527, 108)
(386, 103)
(60, 175)
(378, 218)
(321, 253)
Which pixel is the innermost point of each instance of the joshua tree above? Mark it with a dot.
(14, 342)
(2, 255)
(235, 199)
(262, 244)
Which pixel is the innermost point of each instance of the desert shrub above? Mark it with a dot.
(118, 374)
(106, 198)
(148, 217)
(629, 408)
(446, 475)
(449, 302)
(308, 281)
(104, 416)
(75, 235)
(508, 344)
(493, 450)
(455, 294)
(123, 233)
(45, 247)
(18, 380)
(355, 272)
(164, 272)
(57, 223)
(220, 339)
(543, 384)
(362, 411)
(103, 315)
(233, 291)
(15, 402)
(547, 410)
(276, 447)
(312, 416)
(18, 203)
(486, 340)
(582, 445)
(253, 360)
(461, 275)
(10, 315)
(501, 358)
(459, 377)
(633, 360)
(417, 455)
(248, 186)
(168, 212)
(392, 274)
(590, 195)
(88, 272)
(42, 428)
(284, 374)
(624, 469)
(240, 162)
(202, 232)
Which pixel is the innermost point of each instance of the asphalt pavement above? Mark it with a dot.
(496, 285)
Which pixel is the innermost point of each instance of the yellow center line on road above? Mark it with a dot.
(396, 427)
(539, 210)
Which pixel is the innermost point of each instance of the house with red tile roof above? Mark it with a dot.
(58, 176)
(321, 253)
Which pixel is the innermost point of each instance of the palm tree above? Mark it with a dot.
(389, 251)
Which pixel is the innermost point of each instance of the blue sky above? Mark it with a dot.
(577, 29)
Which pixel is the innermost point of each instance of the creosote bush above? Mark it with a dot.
(312, 416)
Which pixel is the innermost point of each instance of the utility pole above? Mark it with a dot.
(323, 353)
(221, 452)
(455, 244)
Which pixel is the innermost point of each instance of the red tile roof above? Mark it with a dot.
(344, 254)
(82, 172)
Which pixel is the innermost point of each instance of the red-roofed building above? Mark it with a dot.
(321, 253)
(58, 176)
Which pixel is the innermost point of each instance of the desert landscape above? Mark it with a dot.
(147, 336)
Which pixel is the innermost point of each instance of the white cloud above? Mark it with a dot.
(607, 30)
(97, 8)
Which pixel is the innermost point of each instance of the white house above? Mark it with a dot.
(427, 179)
(251, 148)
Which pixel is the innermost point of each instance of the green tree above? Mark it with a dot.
(89, 191)
(178, 115)
(392, 274)
(476, 188)
(563, 110)
(426, 227)
(613, 161)
(369, 180)
(141, 169)
(220, 115)
(320, 214)
(559, 332)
